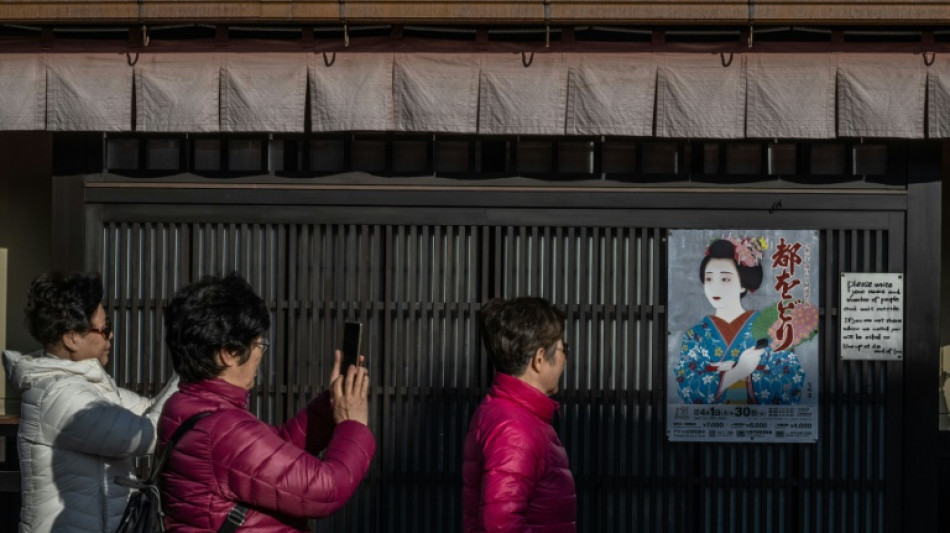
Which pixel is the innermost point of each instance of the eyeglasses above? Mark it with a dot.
(265, 345)
(105, 331)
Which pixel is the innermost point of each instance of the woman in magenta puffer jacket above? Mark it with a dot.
(516, 476)
(214, 332)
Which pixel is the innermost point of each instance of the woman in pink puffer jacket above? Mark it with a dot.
(214, 334)
(516, 476)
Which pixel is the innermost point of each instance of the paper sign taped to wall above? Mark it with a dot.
(872, 316)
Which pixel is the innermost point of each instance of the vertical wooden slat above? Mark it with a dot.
(877, 470)
(633, 393)
(133, 271)
(146, 292)
(657, 287)
(293, 364)
(108, 273)
(412, 347)
(824, 518)
(167, 284)
(861, 441)
(849, 451)
(123, 345)
(894, 397)
(278, 301)
(164, 261)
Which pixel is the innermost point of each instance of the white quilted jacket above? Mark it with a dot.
(78, 431)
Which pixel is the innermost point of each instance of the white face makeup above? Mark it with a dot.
(722, 286)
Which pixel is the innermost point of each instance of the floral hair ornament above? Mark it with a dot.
(749, 250)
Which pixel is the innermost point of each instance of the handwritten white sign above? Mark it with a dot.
(872, 316)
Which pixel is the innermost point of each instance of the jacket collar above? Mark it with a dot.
(231, 394)
(26, 370)
(528, 397)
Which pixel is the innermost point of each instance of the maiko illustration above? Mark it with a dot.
(732, 355)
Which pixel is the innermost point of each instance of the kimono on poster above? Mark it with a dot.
(743, 336)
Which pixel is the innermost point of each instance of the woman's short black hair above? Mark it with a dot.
(750, 278)
(513, 330)
(59, 302)
(208, 316)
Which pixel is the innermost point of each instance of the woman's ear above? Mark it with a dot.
(69, 341)
(538, 360)
(228, 358)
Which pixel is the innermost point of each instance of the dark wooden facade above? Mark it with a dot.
(415, 262)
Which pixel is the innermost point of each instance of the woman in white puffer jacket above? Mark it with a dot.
(78, 430)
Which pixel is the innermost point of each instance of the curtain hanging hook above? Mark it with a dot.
(722, 58)
(130, 61)
(547, 36)
(525, 61)
(929, 60)
(145, 36)
(346, 35)
(751, 32)
(330, 62)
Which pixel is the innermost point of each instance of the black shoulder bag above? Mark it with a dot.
(143, 512)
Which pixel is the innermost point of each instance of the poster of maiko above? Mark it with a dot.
(742, 336)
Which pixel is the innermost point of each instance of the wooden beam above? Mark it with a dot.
(689, 12)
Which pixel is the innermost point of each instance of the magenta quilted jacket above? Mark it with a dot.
(516, 476)
(231, 456)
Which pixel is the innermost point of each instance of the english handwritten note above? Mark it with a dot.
(872, 316)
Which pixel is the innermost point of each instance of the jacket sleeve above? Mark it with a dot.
(512, 464)
(143, 405)
(312, 427)
(75, 417)
(254, 464)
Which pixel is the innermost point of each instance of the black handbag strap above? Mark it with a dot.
(170, 445)
(238, 513)
(185, 426)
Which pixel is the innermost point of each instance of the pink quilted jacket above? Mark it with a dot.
(231, 456)
(516, 476)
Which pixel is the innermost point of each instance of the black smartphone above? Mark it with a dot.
(352, 337)
(762, 343)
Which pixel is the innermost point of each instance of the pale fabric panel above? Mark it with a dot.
(698, 97)
(177, 92)
(790, 96)
(515, 99)
(436, 92)
(938, 89)
(264, 92)
(89, 92)
(610, 94)
(352, 91)
(22, 92)
(881, 95)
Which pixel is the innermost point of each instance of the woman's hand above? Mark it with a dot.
(349, 392)
(337, 362)
(748, 360)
